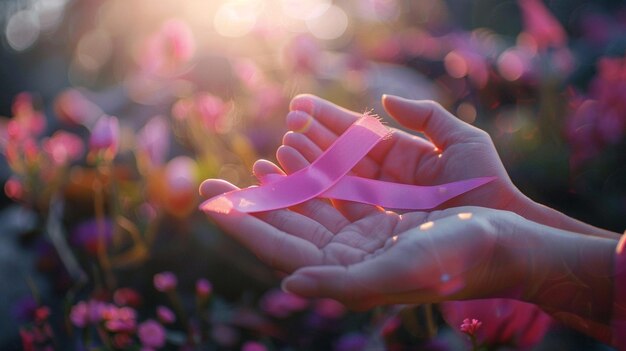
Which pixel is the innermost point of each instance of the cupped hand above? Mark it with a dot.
(452, 150)
(375, 257)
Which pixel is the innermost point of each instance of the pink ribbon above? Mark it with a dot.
(327, 177)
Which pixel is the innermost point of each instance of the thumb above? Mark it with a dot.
(429, 117)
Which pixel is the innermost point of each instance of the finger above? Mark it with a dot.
(427, 116)
(276, 248)
(293, 161)
(311, 151)
(213, 187)
(337, 119)
(303, 145)
(322, 122)
(262, 168)
(284, 222)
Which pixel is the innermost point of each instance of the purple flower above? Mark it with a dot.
(84, 313)
(253, 346)
(203, 288)
(165, 281)
(153, 141)
(151, 334)
(87, 234)
(352, 342)
(105, 136)
(280, 304)
(165, 315)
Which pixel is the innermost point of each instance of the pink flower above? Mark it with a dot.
(253, 346)
(280, 304)
(541, 25)
(599, 119)
(169, 48)
(63, 147)
(165, 315)
(72, 107)
(303, 54)
(329, 308)
(127, 297)
(105, 135)
(14, 189)
(153, 142)
(84, 313)
(470, 327)
(206, 108)
(28, 121)
(165, 281)
(151, 334)
(203, 288)
(120, 319)
(511, 322)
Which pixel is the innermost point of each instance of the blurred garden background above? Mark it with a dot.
(114, 111)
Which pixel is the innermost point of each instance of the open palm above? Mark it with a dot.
(453, 151)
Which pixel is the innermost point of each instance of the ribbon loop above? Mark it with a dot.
(327, 177)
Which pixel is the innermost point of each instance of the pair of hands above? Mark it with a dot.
(490, 242)
(362, 255)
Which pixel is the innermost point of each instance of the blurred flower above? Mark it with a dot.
(87, 312)
(165, 315)
(86, 234)
(153, 143)
(224, 335)
(127, 297)
(205, 108)
(122, 340)
(204, 288)
(14, 189)
(506, 322)
(541, 26)
(181, 186)
(253, 346)
(24, 309)
(169, 49)
(105, 136)
(303, 54)
(26, 122)
(151, 334)
(63, 147)
(329, 308)
(280, 304)
(41, 314)
(470, 327)
(72, 107)
(165, 281)
(119, 319)
(352, 342)
(599, 119)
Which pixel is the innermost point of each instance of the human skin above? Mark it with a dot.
(453, 150)
(365, 256)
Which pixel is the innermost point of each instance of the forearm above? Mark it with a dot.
(570, 276)
(539, 213)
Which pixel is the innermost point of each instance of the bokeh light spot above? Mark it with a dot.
(466, 112)
(455, 64)
(22, 30)
(237, 18)
(305, 9)
(330, 25)
(510, 66)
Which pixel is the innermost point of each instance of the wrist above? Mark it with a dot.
(569, 276)
(536, 212)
